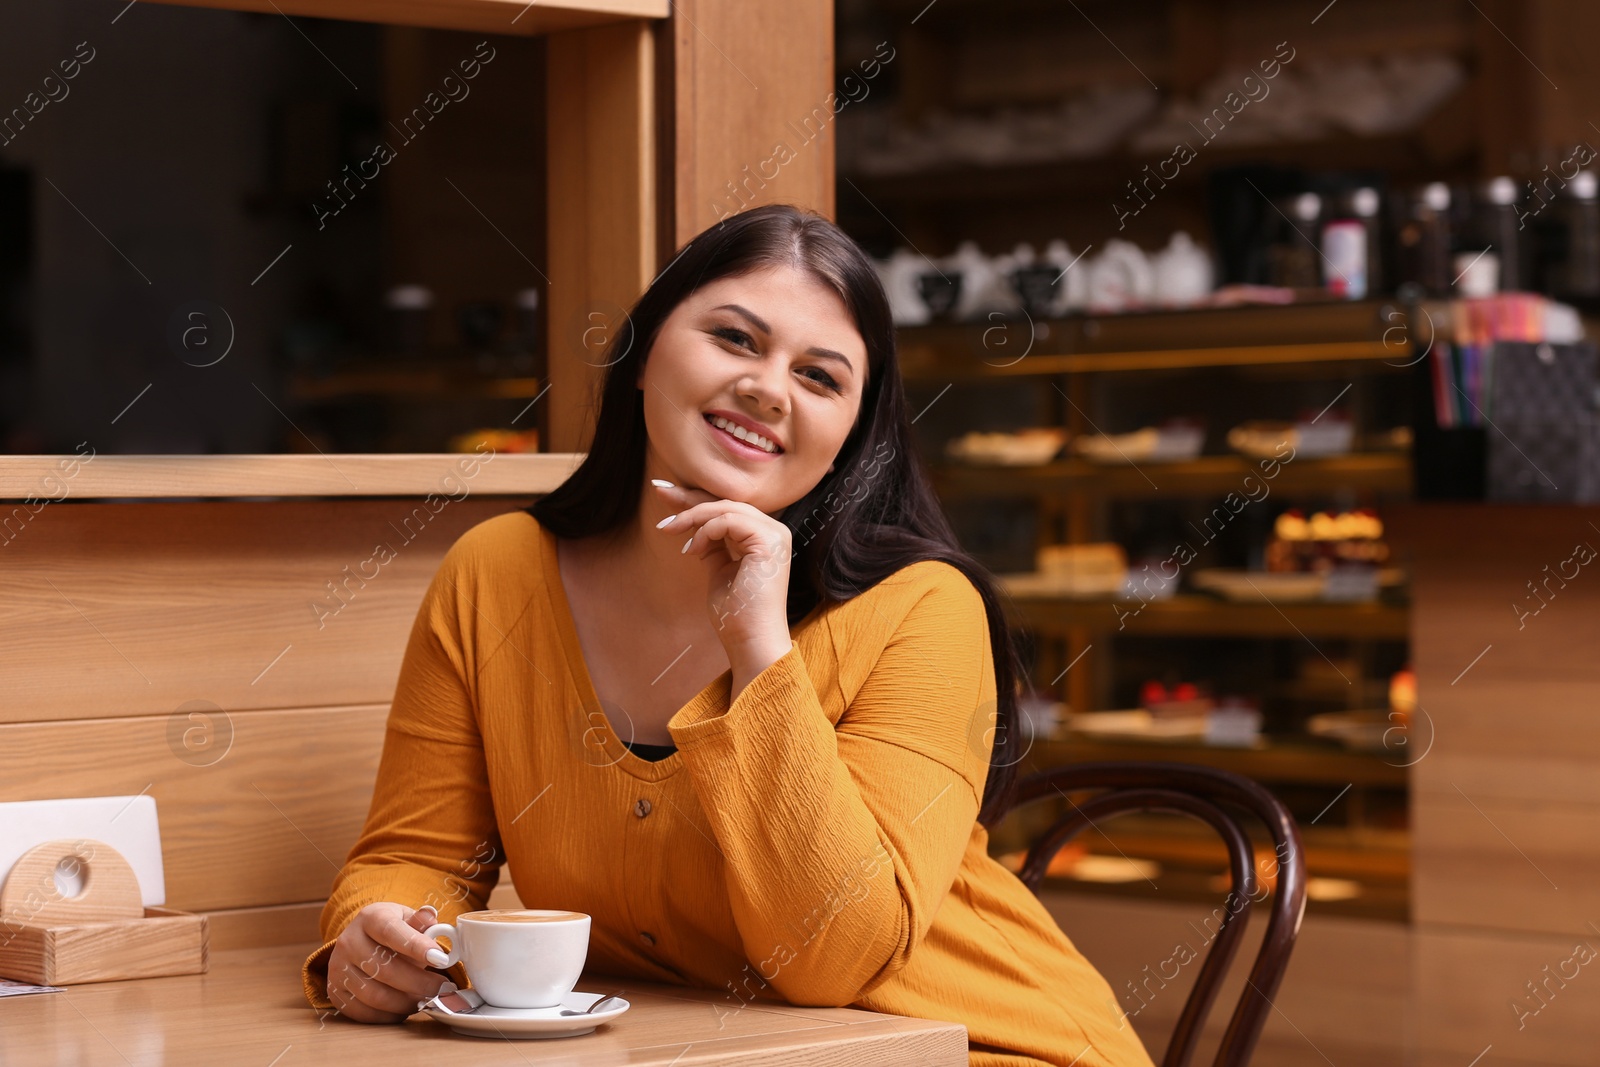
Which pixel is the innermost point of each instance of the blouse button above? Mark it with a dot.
(646, 938)
(641, 807)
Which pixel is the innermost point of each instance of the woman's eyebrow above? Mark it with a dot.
(755, 320)
(758, 323)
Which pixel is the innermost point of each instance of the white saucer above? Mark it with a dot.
(490, 1021)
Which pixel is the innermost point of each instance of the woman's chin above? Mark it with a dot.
(738, 485)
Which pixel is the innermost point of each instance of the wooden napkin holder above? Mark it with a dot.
(71, 912)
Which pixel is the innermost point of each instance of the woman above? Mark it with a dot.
(732, 689)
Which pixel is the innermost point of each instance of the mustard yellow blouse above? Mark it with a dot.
(813, 841)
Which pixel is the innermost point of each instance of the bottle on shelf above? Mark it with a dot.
(1347, 244)
(1426, 240)
(409, 307)
(1576, 270)
(1497, 226)
(1295, 259)
(1367, 205)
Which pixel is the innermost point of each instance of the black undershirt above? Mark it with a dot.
(653, 753)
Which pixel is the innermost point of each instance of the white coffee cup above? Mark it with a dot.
(517, 957)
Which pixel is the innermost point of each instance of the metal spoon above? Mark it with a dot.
(591, 1008)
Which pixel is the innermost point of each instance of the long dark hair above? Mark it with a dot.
(890, 520)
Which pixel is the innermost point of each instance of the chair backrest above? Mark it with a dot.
(1115, 788)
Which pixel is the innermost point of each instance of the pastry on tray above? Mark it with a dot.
(1088, 570)
(1157, 444)
(1022, 448)
(1302, 440)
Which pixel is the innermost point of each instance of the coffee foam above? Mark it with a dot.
(525, 915)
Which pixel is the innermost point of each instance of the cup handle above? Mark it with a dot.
(437, 957)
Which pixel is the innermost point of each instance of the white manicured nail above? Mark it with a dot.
(437, 958)
(664, 521)
(686, 545)
(662, 484)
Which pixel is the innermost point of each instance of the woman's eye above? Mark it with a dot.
(824, 378)
(734, 336)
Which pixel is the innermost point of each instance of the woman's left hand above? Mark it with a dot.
(747, 554)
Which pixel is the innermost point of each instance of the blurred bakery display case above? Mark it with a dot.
(1188, 525)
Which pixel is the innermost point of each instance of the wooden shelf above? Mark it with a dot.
(410, 383)
(1385, 472)
(338, 475)
(1320, 332)
(1198, 616)
(959, 184)
(513, 17)
(928, 366)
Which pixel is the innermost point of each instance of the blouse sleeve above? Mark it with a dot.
(841, 842)
(430, 835)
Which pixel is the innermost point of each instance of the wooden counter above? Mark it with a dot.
(249, 1009)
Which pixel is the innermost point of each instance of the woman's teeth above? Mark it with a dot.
(741, 433)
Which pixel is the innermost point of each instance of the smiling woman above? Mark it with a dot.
(826, 679)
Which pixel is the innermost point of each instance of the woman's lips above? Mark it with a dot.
(736, 446)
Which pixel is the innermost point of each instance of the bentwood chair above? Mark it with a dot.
(1106, 789)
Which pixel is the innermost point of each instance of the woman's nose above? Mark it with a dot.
(768, 387)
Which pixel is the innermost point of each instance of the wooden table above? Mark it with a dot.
(249, 1009)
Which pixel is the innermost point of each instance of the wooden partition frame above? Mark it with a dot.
(602, 208)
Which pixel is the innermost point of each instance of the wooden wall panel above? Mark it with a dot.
(749, 78)
(1556, 726)
(137, 609)
(1506, 803)
(1475, 982)
(1472, 567)
(269, 822)
(601, 208)
(282, 924)
(290, 924)
(262, 790)
(1506, 865)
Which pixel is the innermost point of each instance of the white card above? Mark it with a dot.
(127, 824)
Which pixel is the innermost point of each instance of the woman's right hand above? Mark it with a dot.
(379, 967)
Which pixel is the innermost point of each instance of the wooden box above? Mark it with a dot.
(71, 912)
(163, 942)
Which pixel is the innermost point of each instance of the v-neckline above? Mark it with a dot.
(616, 753)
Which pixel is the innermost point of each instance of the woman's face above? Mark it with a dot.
(774, 351)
